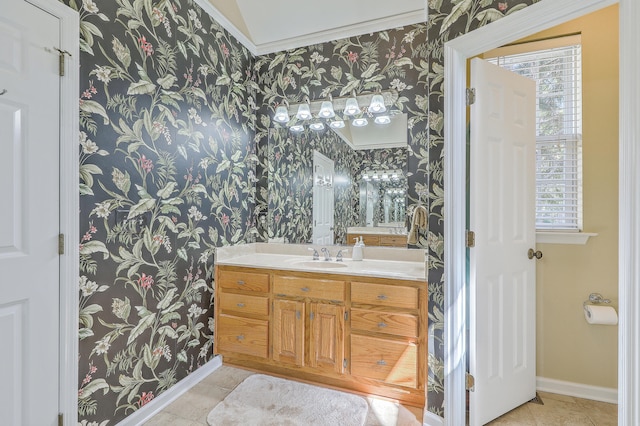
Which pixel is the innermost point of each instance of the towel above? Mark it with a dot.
(418, 222)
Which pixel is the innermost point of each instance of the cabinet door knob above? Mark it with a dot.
(305, 289)
(382, 362)
(240, 305)
(240, 282)
(382, 297)
(240, 337)
(382, 324)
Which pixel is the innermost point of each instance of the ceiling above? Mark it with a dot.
(268, 26)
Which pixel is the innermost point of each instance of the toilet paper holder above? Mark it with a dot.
(595, 299)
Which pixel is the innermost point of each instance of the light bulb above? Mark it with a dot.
(297, 128)
(326, 110)
(336, 124)
(382, 119)
(316, 126)
(351, 107)
(377, 104)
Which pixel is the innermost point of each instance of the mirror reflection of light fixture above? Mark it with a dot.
(360, 122)
(316, 126)
(296, 128)
(386, 175)
(382, 119)
(377, 104)
(336, 124)
(352, 107)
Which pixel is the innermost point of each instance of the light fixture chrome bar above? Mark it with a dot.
(364, 100)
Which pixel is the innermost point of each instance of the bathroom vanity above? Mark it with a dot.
(359, 326)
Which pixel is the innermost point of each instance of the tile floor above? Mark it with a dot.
(192, 408)
(560, 410)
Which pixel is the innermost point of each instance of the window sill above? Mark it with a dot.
(545, 237)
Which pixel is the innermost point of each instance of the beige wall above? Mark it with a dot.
(569, 349)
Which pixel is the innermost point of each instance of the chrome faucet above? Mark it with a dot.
(327, 255)
(339, 255)
(316, 256)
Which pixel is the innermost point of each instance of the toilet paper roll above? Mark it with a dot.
(605, 315)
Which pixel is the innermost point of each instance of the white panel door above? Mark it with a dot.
(323, 202)
(29, 215)
(502, 215)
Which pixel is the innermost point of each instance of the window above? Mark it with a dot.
(555, 65)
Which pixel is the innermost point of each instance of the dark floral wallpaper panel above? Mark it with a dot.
(167, 168)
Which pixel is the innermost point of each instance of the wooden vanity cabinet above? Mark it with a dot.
(385, 240)
(366, 335)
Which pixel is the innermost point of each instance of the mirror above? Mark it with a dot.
(356, 153)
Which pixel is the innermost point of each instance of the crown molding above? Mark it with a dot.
(213, 12)
(390, 22)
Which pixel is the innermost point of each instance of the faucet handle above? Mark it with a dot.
(339, 255)
(316, 256)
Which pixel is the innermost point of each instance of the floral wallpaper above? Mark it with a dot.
(174, 158)
(289, 188)
(167, 168)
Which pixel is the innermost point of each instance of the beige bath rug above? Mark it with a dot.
(262, 400)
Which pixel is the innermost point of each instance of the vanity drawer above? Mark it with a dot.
(244, 304)
(386, 360)
(393, 240)
(384, 294)
(384, 322)
(240, 280)
(312, 288)
(242, 335)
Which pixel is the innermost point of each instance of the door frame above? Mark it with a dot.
(69, 208)
(537, 17)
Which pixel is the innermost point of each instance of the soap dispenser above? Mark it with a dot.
(357, 250)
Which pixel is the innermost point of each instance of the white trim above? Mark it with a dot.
(156, 405)
(214, 13)
(555, 237)
(382, 24)
(578, 390)
(69, 209)
(537, 17)
(431, 419)
(629, 217)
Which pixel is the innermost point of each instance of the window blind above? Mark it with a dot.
(557, 72)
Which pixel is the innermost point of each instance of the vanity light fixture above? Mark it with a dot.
(296, 128)
(316, 126)
(386, 175)
(282, 114)
(377, 104)
(304, 112)
(360, 122)
(352, 107)
(326, 109)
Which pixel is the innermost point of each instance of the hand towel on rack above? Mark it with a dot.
(418, 222)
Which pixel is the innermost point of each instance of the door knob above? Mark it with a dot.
(533, 253)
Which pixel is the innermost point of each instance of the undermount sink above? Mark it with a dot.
(320, 264)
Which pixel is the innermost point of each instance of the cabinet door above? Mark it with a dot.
(326, 342)
(288, 332)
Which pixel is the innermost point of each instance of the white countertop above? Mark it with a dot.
(406, 264)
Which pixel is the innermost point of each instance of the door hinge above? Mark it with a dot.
(344, 363)
(60, 244)
(469, 382)
(311, 315)
(471, 96)
(61, 54)
(346, 316)
(471, 239)
(60, 419)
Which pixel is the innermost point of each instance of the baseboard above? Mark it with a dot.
(431, 419)
(174, 392)
(579, 390)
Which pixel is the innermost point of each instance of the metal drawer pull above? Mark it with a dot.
(240, 337)
(382, 297)
(382, 362)
(382, 324)
(240, 282)
(305, 289)
(240, 305)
